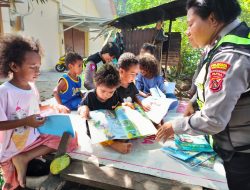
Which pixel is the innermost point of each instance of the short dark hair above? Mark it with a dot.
(71, 58)
(127, 60)
(107, 75)
(149, 48)
(112, 49)
(13, 49)
(225, 11)
(149, 64)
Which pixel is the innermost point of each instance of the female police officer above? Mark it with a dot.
(223, 95)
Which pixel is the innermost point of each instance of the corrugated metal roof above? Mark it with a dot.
(167, 11)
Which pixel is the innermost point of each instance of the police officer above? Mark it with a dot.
(223, 94)
(106, 55)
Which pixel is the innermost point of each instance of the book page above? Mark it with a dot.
(134, 123)
(104, 126)
(159, 107)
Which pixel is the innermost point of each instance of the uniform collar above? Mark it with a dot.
(228, 28)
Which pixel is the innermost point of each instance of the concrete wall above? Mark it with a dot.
(41, 24)
(80, 7)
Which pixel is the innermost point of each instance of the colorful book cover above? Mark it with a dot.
(57, 124)
(192, 143)
(123, 123)
(180, 154)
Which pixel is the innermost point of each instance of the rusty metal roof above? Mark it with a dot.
(167, 11)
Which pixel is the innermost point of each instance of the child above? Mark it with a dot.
(147, 48)
(149, 76)
(104, 96)
(128, 69)
(106, 55)
(68, 89)
(20, 141)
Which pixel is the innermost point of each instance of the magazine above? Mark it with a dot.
(192, 143)
(159, 105)
(122, 123)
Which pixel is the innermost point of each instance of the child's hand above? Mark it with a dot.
(83, 111)
(146, 107)
(129, 104)
(60, 108)
(35, 120)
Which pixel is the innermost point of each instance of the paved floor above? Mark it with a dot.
(46, 83)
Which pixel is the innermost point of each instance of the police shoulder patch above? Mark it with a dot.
(215, 84)
(219, 66)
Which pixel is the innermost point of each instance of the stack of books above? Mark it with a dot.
(191, 150)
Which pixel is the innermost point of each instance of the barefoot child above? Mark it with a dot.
(104, 96)
(68, 90)
(127, 92)
(20, 141)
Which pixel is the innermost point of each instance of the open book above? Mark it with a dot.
(159, 105)
(122, 123)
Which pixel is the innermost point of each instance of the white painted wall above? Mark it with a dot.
(6, 20)
(42, 24)
(95, 46)
(79, 7)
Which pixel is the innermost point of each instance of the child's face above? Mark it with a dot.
(107, 57)
(145, 73)
(76, 67)
(128, 76)
(104, 93)
(30, 68)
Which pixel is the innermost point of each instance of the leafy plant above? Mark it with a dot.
(189, 56)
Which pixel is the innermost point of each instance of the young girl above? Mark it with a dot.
(104, 96)
(20, 141)
(149, 76)
(68, 90)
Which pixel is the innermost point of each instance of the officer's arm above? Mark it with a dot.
(223, 88)
(89, 76)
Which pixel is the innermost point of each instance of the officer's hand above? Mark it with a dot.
(164, 132)
(189, 110)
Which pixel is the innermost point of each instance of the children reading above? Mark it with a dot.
(20, 141)
(68, 89)
(149, 76)
(104, 96)
(128, 69)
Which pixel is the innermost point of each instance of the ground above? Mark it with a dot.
(46, 83)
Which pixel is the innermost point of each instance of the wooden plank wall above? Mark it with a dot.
(134, 39)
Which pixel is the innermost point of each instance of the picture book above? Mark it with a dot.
(180, 154)
(190, 158)
(122, 123)
(57, 124)
(192, 143)
(159, 105)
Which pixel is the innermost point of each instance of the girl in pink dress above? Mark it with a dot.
(20, 140)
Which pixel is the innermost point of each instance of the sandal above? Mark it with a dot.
(59, 164)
